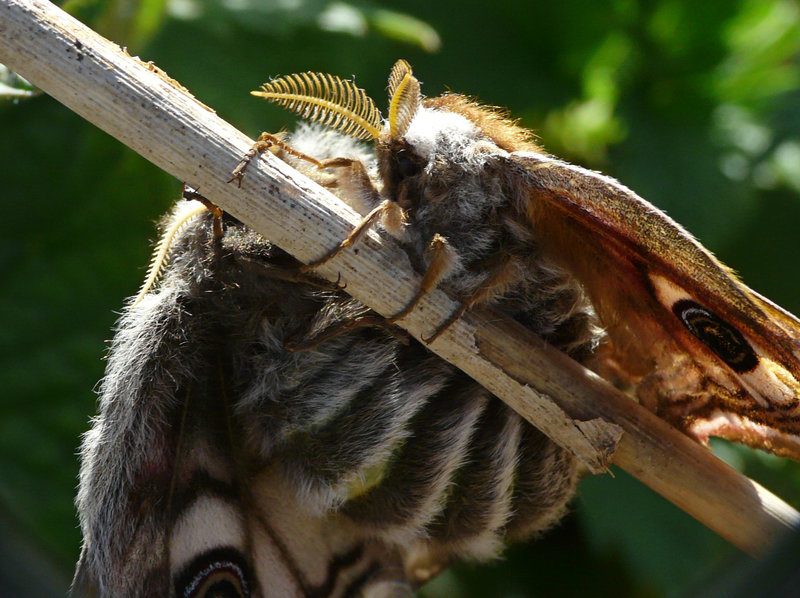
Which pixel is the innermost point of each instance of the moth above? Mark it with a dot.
(261, 433)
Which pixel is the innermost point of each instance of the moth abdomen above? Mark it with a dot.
(413, 487)
(480, 503)
(538, 506)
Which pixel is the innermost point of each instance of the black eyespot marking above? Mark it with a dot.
(406, 164)
(719, 336)
(218, 573)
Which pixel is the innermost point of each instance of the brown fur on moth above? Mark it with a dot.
(363, 464)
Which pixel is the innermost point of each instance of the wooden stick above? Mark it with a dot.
(145, 109)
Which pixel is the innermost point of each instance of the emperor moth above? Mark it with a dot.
(223, 464)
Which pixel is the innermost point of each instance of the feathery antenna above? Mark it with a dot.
(404, 98)
(327, 99)
(399, 70)
(162, 253)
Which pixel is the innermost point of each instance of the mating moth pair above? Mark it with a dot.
(359, 463)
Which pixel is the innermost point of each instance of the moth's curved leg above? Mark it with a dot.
(193, 194)
(265, 142)
(500, 269)
(354, 179)
(287, 273)
(376, 215)
(386, 212)
(441, 258)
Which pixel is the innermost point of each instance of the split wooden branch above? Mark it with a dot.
(141, 106)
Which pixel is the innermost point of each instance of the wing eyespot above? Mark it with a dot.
(218, 573)
(723, 339)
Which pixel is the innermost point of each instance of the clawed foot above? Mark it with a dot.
(264, 143)
(358, 232)
(193, 194)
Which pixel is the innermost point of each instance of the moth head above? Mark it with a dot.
(399, 161)
(429, 146)
(418, 133)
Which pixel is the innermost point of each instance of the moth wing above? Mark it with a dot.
(173, 501)
(159, 502)
(702, 349)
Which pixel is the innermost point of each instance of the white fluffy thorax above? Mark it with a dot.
(433, 131)
(321, 142)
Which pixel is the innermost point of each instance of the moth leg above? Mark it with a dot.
(189, 193)
(289, 273)
(264, 143)
(358, 167)
(357, 179)
(440, 264)
(356, 183)
(500, 270)
(387, 210)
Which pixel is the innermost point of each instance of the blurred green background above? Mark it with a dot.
(694, 105)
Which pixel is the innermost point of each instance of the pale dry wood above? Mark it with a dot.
(152, 114)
